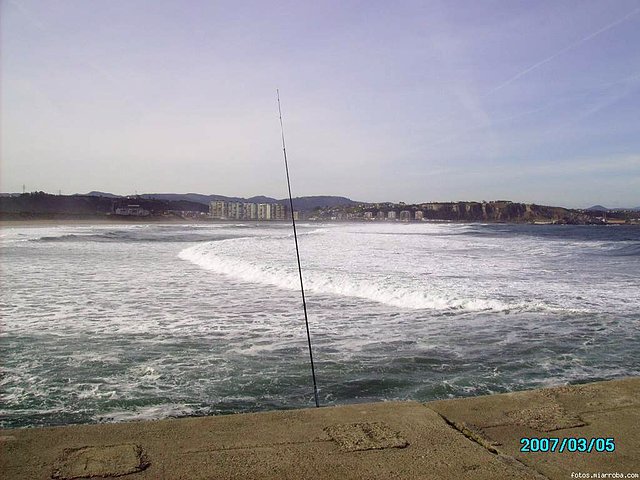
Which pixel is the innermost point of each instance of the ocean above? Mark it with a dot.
(109, 323)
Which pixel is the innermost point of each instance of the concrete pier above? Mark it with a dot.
(475, 438)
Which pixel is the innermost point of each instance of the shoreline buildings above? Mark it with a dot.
(132, 211)
(222, 210)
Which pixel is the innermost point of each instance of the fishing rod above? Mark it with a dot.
(295, 236)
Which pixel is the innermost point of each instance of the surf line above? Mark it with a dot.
(295, 237)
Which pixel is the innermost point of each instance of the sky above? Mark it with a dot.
(408, 101)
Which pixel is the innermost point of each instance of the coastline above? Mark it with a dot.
(52, 222)
(476, 438)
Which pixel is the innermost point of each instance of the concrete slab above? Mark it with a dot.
(353, 437)
(598, 410)
(103, 461)
(546, 418)
(273, 445)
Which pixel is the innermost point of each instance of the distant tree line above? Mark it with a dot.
(41, 203)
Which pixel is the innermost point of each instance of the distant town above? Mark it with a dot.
(158, 207)
(494, 211)
(221, 210)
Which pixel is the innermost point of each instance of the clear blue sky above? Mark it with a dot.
(533, 101)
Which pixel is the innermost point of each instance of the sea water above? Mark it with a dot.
(120, 322)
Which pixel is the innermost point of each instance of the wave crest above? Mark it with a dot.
(210, 257)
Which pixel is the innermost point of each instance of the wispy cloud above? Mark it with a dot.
(562, 51)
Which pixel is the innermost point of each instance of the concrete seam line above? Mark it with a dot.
(508, 459)
(470, 435)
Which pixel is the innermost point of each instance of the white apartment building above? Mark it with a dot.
(264, 211)
(250, 211)
(218, 209)
(278, 211)
(222, 210)
(235, 211)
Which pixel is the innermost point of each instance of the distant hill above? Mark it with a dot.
(99, 194)
(262, 199)
(189, 197)
(41, 204)
(311, 203)
(299, 203)
(104, 203)
(600, 208)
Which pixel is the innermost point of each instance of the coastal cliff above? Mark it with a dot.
(500, 211)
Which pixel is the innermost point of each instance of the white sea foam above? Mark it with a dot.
(153, 412)
(127, 329)
(210, 257)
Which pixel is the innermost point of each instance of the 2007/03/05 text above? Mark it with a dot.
(569, 444)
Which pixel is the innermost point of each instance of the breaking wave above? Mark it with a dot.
(185, 234)
(366, 287)
(629, 250)
(119, 237)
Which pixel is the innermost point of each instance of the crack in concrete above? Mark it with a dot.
(487, 445)
(470, 434)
